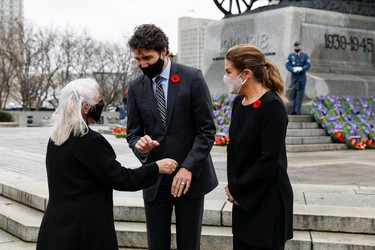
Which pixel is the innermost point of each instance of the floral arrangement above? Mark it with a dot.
(119, 132)
(370, 143)
(347, 119)
(337, 136)
(356, 142)
(222, 112)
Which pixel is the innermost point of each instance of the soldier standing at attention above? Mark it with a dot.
(298, 63)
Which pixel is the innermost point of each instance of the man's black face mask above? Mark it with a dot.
(153, 70)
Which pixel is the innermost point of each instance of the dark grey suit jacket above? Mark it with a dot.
(190, 129)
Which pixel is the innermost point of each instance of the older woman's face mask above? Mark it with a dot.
(96, 111)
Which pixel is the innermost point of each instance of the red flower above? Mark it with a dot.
(175, 79)
(256, 104)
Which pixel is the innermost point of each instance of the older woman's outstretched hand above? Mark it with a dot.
(167, 165)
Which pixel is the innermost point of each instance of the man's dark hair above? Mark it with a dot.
(148, 36)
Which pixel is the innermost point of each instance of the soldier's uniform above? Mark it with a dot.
(298, 85)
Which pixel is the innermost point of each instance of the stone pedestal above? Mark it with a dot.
(341, 47)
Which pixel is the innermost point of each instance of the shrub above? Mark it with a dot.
(5, 117)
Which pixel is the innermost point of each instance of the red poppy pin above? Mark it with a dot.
(175, 79)
(256, 104)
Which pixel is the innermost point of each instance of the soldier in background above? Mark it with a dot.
(298, 63)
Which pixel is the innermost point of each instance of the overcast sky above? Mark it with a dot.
(112, 19)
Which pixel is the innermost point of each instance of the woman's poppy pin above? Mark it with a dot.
(256, 104)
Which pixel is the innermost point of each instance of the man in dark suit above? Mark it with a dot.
(170, 114)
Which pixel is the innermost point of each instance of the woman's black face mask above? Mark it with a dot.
(153, 70)
(96, 111)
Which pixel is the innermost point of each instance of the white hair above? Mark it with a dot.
(67, 119)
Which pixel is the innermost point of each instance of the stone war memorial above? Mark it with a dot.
(338, 36)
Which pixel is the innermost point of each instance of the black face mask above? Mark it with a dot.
(154, 69)
(96, 111)
(297, 50)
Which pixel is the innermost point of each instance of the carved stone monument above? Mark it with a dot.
(338, 36)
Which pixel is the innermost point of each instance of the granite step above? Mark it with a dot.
(314, 226)
(23, 222)
(316, 147)
(216, 213)
(305, 135)
(308, 140)
(301, 118)
(19, 220)
(10, 242)
(303, 125)
(9, 124)
(305, 132)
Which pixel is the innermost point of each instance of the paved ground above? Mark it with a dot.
(340, 178)
(23, 150)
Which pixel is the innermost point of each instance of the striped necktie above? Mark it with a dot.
(160, 99)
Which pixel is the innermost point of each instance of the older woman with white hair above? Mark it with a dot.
(82, 172)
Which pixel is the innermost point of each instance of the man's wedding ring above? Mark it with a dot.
(182, 183)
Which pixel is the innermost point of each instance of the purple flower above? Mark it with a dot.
(220, 120)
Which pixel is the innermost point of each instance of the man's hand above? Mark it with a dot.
(145, 144)
(181, 182)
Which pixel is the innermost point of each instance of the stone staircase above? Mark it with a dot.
(304, 134)
(23, 200)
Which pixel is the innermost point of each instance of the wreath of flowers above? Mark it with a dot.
(337, 136)
(256, 104)
(175, 79)
(119, 132)
(347, 119)
(356, 142)
(370, 143)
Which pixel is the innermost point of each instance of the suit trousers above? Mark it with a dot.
(298, 92)
(189, 213)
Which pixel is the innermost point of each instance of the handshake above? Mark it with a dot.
(297, 69)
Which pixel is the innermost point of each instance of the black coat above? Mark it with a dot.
(82, 174)
(257, 172)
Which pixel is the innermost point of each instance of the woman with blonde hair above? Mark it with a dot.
(82, 172)
(258, 183)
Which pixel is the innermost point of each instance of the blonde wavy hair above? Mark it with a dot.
(67, 119)
(245, 56)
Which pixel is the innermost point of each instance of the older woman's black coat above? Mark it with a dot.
(82, 174)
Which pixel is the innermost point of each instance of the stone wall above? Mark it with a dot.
(42, 118)
(341, 47)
